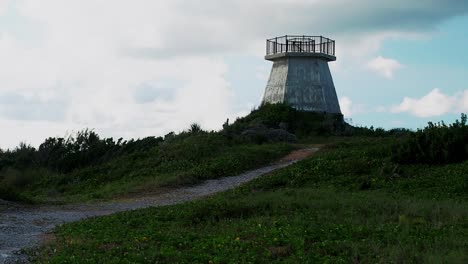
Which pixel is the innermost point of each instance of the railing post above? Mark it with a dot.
(333, 48)
(286, 43)
(321, 43)
(276, 45)
(303, 44)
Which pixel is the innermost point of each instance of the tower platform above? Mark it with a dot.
(300, 76)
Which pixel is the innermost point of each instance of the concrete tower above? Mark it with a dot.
(300, 75)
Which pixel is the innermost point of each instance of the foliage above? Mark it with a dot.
(185, 160)
(306, 124)
(195, 128)
(14, 183)
(9, 194)
(87, 167)
(314, 211)
(64, 155)
(435, 144)
(378, 132)
(285, 117)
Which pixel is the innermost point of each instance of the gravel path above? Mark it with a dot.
(23, 227)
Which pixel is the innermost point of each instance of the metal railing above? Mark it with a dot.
(294, 43)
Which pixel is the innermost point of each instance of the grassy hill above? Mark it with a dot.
(85, 166)
(369, 196)
(349, 203)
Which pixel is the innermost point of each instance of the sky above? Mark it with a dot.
(147, 67)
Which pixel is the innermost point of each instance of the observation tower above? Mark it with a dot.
(300, 76)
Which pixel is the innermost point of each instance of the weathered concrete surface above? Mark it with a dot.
(304, 82)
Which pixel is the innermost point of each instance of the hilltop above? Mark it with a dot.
(369, 196)
(85, 166)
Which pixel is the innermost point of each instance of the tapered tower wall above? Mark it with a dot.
(305, 83)
(300, 76)
(276, 87)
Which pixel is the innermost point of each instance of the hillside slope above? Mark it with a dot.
(348, 204)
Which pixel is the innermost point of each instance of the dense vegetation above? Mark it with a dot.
(88, 167)
(350, 203)
(370, 196)
(297, 122)
(436, 144)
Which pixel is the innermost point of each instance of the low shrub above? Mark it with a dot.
(10, 194)
(85, 148)
(435, 144)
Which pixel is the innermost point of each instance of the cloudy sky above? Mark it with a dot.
(147, 67)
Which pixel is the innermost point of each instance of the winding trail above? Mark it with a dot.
(24, 227)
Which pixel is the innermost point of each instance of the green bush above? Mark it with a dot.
(10, 194)
(87, 167)
(195, 128)
(14, 181)
(283, 116)
(435, 144)
(15, 178)
(85, 148)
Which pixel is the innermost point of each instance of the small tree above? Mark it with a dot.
(195, 128)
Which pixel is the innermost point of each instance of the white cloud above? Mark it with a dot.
(81, 61)
(263, 72)
(435, 103)
(348, 108)
(345, 105)
(381, 109)
(3, 6)
(384, 66)
(96, 55)
(463, 106)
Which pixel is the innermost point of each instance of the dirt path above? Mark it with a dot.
(23, 227)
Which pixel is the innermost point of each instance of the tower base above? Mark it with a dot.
(304, 83)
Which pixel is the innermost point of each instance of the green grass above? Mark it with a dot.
(182, 161)
(348, 203)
